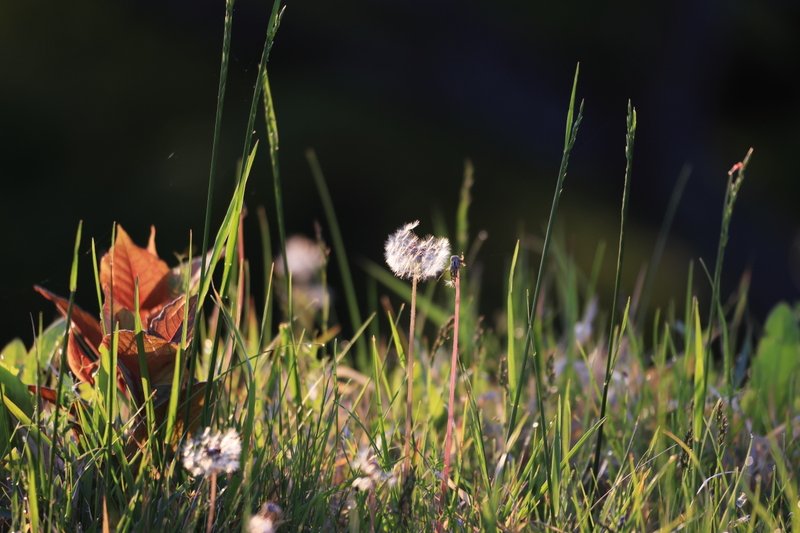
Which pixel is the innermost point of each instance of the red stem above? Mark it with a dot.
(451, 403)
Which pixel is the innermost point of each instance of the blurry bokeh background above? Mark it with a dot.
(107, 108)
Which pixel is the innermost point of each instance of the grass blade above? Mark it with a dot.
(339, 250)
(630, 137)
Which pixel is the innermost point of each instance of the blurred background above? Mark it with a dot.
(107, 109)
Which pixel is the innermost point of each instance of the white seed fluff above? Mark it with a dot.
(412, 257)
(260, 524)
(366, 463)
(212, 453)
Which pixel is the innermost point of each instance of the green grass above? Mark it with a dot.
(627, 426)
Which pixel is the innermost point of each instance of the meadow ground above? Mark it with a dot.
(185, 401)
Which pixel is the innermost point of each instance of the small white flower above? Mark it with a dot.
(212, 453)
(411, 257)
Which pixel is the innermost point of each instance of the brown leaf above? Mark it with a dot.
(86, 324)
(168, 323)
(47, 394)
(123, 264)
(159, 357)
(82, 358)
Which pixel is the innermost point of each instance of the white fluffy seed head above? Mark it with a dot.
(412, 257)
(260, 524)
(212, 453)
(373, 476)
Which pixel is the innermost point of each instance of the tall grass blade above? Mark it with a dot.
(570, 137)
(339, 250)
(735, 180)
(630, 137)
(513, 372)
(462, 212)
(73, 287)
(223, 81)
(700, 377)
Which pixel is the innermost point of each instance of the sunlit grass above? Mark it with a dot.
(565, 417)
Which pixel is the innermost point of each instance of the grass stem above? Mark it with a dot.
(630, 137)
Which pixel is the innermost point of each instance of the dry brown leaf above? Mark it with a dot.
(86, 324)
(168, 323)
(82, 358)
(159, 356)
(126, 262)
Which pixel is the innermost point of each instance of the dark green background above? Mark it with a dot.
(106, 114)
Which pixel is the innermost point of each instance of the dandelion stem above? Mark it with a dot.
(452, 400)
(407, 451)
(213, 503)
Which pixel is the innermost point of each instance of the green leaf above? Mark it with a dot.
(44, 347)
(14, 400)
(13, 356)
(775, 365)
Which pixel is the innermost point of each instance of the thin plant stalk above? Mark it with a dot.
(569, 142)
(407, 448)
(212, 503)
(735, 179)
(452, 399)
(223, 81)
(629, 138)
(73, 287)
(570, 136)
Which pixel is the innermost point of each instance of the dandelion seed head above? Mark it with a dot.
(212, 453)
(305, 258)
(410, 256)
(362, 483)
(260, 524)
(266, 520)
(366, 463)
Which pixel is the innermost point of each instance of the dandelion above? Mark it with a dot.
(416, 259)
(266, 520)
(305, 259)
(411, 257)
(210, 454)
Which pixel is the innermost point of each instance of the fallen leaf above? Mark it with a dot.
(168, 323)
(82, 357)
(159, 355)
(126, 262)
(86, 324)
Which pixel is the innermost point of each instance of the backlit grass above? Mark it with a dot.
(569, 413)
